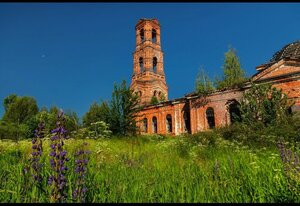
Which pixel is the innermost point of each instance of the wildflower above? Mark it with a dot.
(37, 153)
(290, 162)
(57, 161)
(81, 161)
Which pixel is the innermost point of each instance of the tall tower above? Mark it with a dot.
(148, 77)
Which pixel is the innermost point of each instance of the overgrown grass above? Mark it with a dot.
(157, 169)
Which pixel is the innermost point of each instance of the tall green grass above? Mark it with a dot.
(155, 169)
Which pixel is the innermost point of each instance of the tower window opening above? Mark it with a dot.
(154, 64)
(142, 35)
(154, 36)
(210, 116)
(141, 62)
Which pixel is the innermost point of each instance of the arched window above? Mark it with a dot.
(186, 121)
(154, 124)
(210, 117)
(141, 62)
(154, 64)
(142, 35)
(169, 123)
(145, 125)
(154, 93)
(140, 93)
(153, 35)
(234, 111)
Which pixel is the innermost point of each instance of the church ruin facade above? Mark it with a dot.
(191, 113)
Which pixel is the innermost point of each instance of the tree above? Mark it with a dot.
(203, 84)
(234, 75)
(265, 104)
(8, 100)
(124, 107)
(71, 121)
(18, 119)
(50, 118)
(19, 109)
(96, 113)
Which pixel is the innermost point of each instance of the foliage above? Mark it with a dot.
(162, 97)
(50, 118)
(159, 171)
(99, 129)
(203, 84)
(19, 109)
(9, 100)
(21, 117)
(9, 130)
(123, 110)
(154, 100)
(264, 104)
(234, 75)
(96, 113)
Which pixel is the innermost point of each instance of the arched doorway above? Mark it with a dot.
(145, 125)
(234, 111)
(210, 117)
(154, 124)
(169, 123)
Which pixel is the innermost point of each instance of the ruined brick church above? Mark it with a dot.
(187, 114)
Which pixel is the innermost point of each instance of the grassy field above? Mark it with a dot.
(155, 169)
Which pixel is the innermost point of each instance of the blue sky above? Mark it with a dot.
(70, 54)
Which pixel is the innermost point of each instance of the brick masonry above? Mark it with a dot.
(192, 114)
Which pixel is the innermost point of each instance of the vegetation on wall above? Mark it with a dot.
(154, 100)
(264, 104)
(234, 75)
(204, 85)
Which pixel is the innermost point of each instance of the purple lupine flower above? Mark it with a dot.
(37, 153)
(57, 161)
(81, 161)
(290, 161)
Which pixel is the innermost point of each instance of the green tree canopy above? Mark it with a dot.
(8, 100)
(123, 110)
(234, 75)
(264, 103)
(97, 112)
(19, 109)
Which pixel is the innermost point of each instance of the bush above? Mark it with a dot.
(13, 131)
(207, 138)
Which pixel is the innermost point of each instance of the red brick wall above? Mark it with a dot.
(216, 101)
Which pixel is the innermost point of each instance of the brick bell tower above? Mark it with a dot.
(148, 77)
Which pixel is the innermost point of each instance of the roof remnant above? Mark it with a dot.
(291, 51)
